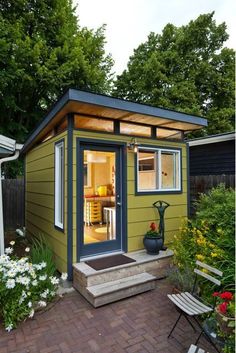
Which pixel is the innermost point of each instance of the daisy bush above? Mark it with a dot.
(24, 287)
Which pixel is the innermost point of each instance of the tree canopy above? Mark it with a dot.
(43, 51)
(187, 69)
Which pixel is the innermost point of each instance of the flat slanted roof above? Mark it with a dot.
(102, 106)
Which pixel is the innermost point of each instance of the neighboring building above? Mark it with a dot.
(93, 169)
(211, 162)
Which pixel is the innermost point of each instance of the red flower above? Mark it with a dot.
(223, 307)
(215, 294)
(226, 296)
(153, 226)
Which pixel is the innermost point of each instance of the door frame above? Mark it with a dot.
(79, 191)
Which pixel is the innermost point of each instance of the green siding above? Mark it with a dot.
(40, 198)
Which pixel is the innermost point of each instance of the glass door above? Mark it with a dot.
(100, 200)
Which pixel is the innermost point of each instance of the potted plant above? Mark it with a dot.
(225, 311)
(153, 241)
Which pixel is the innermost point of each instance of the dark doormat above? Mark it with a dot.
(109, 261)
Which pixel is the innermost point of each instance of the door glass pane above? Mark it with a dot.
(99, 196)
(169, 170)
(146, 170)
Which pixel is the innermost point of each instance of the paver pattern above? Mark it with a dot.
(135, 325)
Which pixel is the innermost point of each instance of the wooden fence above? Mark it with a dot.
(13, 192)
(204, 183)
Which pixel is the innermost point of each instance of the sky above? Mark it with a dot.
(128, 22)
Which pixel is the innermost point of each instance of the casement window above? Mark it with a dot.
(158, 170)
(59, 184)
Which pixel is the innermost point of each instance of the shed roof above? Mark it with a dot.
(98, 105)
(227, 136)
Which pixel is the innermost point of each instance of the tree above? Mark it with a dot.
(185, 69)
(43, 51)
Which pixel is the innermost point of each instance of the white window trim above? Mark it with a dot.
(159, 150)
(59, 183)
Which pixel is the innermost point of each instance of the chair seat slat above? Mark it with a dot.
(193, 299)
(209, 268)
(209, 277)
(194, 305)
(192, 349)
(180, 305)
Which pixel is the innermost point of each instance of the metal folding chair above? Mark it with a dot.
(191, 306)
(195, 349)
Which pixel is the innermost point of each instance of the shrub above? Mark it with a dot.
(24, 287)
(210, 236)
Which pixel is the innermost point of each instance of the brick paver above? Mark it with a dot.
(135, 325)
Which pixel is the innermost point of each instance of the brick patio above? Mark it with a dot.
(135, 325)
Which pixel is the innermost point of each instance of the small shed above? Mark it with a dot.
(211, 162)
(95, 165)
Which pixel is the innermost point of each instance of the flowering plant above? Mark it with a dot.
(24, 287)
(152, 232)
(225, 303)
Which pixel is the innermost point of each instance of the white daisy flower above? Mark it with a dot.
(64, 276)
(30, 304)
(31, 314)
(42, 303)
(54, 280)
(35, 282)
(8, 251)
(9, 327)
(43, 278)
(10, 283)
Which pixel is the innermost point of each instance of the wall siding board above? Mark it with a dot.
(40, 198)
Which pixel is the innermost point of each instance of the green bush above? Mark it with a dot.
(209, 237)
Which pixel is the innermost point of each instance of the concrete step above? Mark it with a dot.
(112, 291)
(157, 265)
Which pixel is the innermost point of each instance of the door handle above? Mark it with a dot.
(118, 203)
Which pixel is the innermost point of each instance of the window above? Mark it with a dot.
(135, 129)
(96, 124)
(158, 170)
(59, 184)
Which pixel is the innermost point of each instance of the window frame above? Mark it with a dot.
(59, 184)
(158, 175)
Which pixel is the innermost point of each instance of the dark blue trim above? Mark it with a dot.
(188, 181)
(81, 144)
(161, 192)
(70, 197)
(63, 178)
(113, 103)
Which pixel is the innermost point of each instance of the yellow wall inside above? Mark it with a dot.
(39, 203)
(140, 211)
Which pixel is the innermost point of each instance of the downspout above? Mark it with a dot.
(3, 160)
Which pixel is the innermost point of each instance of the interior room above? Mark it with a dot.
(99, 196)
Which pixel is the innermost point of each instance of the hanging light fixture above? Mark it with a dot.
(133, 145)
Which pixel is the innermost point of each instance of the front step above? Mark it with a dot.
(109, 292)
(115, 283)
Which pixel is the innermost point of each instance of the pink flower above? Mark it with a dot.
(215, 294)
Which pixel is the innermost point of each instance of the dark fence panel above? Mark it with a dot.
(13, 192)
(204, 183)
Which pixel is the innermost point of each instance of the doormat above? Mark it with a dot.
(109, 261)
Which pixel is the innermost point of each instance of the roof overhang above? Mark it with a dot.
(212, 139)
(102, 106)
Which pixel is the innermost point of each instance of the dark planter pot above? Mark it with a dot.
(153, 244)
